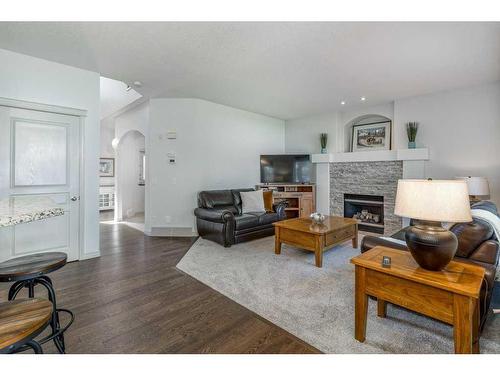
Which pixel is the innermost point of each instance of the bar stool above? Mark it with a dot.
(29, 271)
(21, 321)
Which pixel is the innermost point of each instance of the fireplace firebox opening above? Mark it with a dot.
(367, 209)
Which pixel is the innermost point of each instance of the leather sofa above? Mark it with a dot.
(219, 218)
(477, 244)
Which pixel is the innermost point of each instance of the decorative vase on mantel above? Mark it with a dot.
(411, 130)
(323, 138)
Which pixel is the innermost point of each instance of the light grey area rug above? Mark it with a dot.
(317, 304)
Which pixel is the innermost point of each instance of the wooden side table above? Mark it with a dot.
(450, 295)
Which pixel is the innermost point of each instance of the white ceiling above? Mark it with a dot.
(114, 96)
(286, 70)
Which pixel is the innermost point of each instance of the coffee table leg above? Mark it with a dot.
(318, 252)
(355, 238)
(360, 305)
(277, 242)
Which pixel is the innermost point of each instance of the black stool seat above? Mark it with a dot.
(29, 271)
(30, 266)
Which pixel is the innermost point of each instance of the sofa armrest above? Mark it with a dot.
(369, 242)
(279, 208)
(216, 216)
(487, 252)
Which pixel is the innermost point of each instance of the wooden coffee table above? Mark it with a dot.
(305, 234)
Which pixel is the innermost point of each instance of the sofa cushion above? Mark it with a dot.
(218, 199)
(471, 235)
(246, 221)
(265, 217)
(268, 200)
(237, 198)
(252, 201)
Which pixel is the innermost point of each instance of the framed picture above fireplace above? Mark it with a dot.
(371, 137)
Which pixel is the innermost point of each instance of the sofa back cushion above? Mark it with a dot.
(268, 200)
(217, 199)
(237, 198)
(471, 235)
(252, 201)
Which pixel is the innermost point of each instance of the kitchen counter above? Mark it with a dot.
(25, 209)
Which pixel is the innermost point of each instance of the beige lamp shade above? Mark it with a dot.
(433, 200)
(476, 185)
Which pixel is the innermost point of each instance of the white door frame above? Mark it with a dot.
(81, 114)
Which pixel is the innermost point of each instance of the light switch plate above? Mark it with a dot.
(171, 134)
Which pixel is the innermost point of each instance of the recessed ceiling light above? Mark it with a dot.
(137, 83)
(342, 102)
(363, 98)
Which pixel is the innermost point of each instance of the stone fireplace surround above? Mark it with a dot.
(367, 173)
(367, 178)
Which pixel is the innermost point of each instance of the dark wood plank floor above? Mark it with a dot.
(133, 300)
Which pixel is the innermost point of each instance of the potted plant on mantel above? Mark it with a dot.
(411, 130)
(323, 138)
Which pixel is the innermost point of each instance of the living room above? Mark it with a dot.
(342, 199)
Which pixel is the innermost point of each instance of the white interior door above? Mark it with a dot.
(40, 156)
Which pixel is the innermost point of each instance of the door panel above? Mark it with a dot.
(43, 161)
(33, 139)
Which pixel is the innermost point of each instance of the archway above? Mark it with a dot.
(130, 179)
(361, 120)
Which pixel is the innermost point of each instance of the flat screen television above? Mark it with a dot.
(283, 169)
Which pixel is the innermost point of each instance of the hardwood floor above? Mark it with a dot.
(133, 300)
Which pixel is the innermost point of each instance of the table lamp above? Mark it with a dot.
(431, 202)
(478, 187)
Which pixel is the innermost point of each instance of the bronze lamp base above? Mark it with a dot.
(431, 245)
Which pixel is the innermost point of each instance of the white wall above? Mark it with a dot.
(302, 135)
(107, 134)
(217, 147)
(128, 165)
(461, 128)
(27, 78)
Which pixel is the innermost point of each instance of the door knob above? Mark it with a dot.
(74, 198)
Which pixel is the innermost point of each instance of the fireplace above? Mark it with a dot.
(367, 209)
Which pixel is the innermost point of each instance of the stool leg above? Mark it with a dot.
(31, 288)
(54, 323)
(15, 288)
(37, 348)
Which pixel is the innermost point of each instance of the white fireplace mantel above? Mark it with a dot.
(384, 155)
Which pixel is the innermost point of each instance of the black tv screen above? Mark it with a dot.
(275, 169)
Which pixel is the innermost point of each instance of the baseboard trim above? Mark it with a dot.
(94, 254)
(171, 232)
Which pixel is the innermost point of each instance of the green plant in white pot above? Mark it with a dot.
(323, 138)
(411, 130)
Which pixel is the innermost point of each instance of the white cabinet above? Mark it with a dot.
(106, 198)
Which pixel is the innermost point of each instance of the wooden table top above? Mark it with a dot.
(457, 277)
(22, 318)
(307, 225)
(30, 266)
